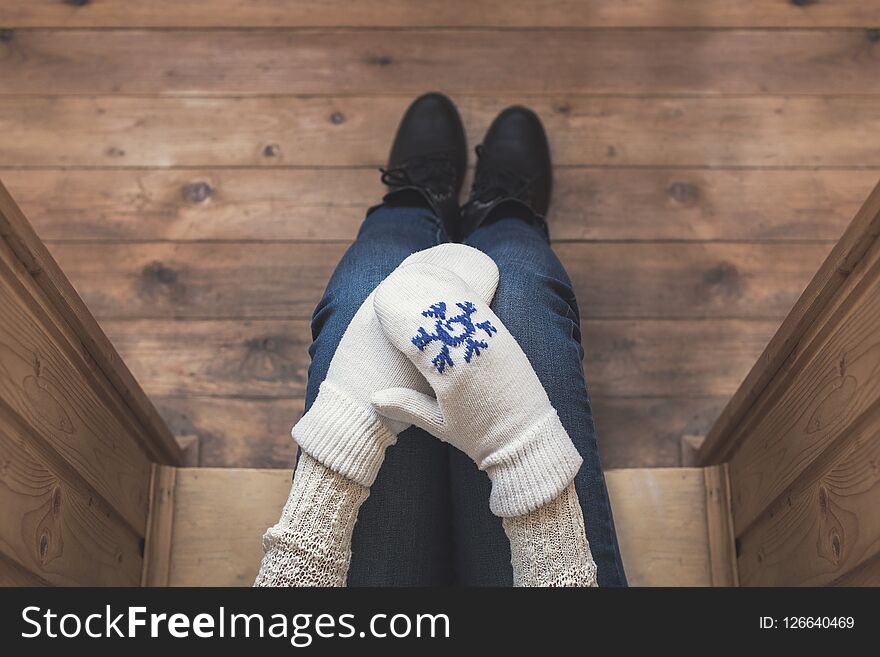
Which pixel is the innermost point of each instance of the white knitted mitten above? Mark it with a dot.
(490, 403)
(342, 430)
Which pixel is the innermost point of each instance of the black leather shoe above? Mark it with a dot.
(428, 158)
(513, 170)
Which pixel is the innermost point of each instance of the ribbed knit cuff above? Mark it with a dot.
(533, 469)
(347, 437)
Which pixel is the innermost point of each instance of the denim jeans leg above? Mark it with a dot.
(536, 302)
(402, 535)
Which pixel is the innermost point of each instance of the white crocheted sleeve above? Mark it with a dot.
(311, 544)
(549, 546)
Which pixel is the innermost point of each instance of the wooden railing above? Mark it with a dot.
(78, 437)
(801, 436)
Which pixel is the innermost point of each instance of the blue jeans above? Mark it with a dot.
(427, 520)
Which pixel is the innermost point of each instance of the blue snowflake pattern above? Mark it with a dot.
(447, 333)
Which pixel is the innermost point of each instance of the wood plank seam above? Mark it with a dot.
(160, 527)
(719, 526)
(837, 348)
(72, 349)
(405, 14)
(812, 341)
(823, 461)
(13, 574)
(283, 130)
(56, 360)
(867, 574)
(94, 523)
(281, 60)
(60, 465)
(24, 243)
(820, 292)
(825, 527)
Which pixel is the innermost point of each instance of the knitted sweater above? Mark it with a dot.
(311, 543)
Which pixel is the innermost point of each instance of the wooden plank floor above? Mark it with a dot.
(198, 168)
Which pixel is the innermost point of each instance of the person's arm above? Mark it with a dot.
(343, 439)
(311, 543)
(549, 547)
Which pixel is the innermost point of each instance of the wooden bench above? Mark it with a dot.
(92, 491)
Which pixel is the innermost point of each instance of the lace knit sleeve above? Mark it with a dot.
(549, 546)
(311, 544)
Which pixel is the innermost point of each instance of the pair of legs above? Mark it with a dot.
(427, 520)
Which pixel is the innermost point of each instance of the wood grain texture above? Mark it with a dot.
(44, 285)
(11, 574)
(50, 392)
(329, 204)
(120, 131)
(223, 549)
(160, 528)
(247, 358)
(839, 274)
(868, 574)
(827, 524)
(648, 430)
(376, 61)
(234, 431)
(55, 527)
(815, 400)
(405, 13)
(660, 516)
(719, 527)
(655, 358)
(220, 280)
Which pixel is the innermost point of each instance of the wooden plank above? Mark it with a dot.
(82, 332)
(199, 280)
(647, 357)
(254, 280)
(773, 131)
(405, 13)
(223, 549)
(53, 525)
(858, 240)
(51, 393)
(307, 204)
(160, 528)
(249, 358)
(11, 574)
(375, 61)
(868, 574)
(660, 516)
(826, 526)
(719, 527)
(269, 358)
(821, 393)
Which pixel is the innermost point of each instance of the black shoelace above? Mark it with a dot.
(434, 173)
(493, 183)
